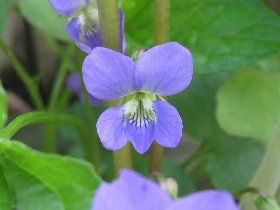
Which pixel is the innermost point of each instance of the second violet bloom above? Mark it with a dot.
(132, 191)
(163, 70)
(83, 27)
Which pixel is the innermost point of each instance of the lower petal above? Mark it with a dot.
(93, 41)
(208, 199)
(73, 29)
(168, 126)
(141, 137)
(110, 128)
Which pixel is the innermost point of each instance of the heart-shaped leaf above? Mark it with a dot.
(222, 36)
(248, 104)
(41, 15)
(70, 182)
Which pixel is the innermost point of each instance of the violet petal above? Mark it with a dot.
(165, 69)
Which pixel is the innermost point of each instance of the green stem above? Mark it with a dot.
(109, 23)
(110, 31)
(267, 177)
(44, 117)
(155, 160)
(39, 117)
(122, 159)
(161, 21)
(201, 151)
(21, 72)
(59, 81)
(48, 143)
(53, 44)
(161, 35)
(93, 140)
(50, 130)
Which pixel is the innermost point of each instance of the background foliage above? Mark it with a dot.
(230, 110)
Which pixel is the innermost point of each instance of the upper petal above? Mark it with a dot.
(108, 75)
(110, 128)
(208, 199)
(165, 69)
(68, 7)
(130, 191)
(92, 41)
(168, 126)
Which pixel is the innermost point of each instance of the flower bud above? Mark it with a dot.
(169, 185)
(266, 203)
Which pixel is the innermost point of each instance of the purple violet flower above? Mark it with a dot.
(84, 25)
(131, 191)
(74, 84)
(163, 70)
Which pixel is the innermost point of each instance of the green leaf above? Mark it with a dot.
(233, 162)
(29, 192)
(271, 64)
(41, 15)
(197, 105)
(248, 104)
(222, 36)
(3, 106)
(74, 181)
(5, 198)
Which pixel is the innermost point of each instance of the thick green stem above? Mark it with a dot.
(59, 81)
(161, 35)
(50, 130)
(109, 23)
(93, 140)
(161, 21)
(22, 73)
(44, 117)
(110, 31)
(267, 177)
(122, 159)
(155, 161)
(26, 119)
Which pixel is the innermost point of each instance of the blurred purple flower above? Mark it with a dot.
(131, 191)
(163, 70)
(74, 84)
(84, 25)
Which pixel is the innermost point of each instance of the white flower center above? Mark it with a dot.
(139, 112)
(88, 21)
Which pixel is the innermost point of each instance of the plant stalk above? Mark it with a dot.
(22, 73)
(45, 117)
(109, 23)
(93, 140)
(267, 176)
(161, 35)
(50, 130)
